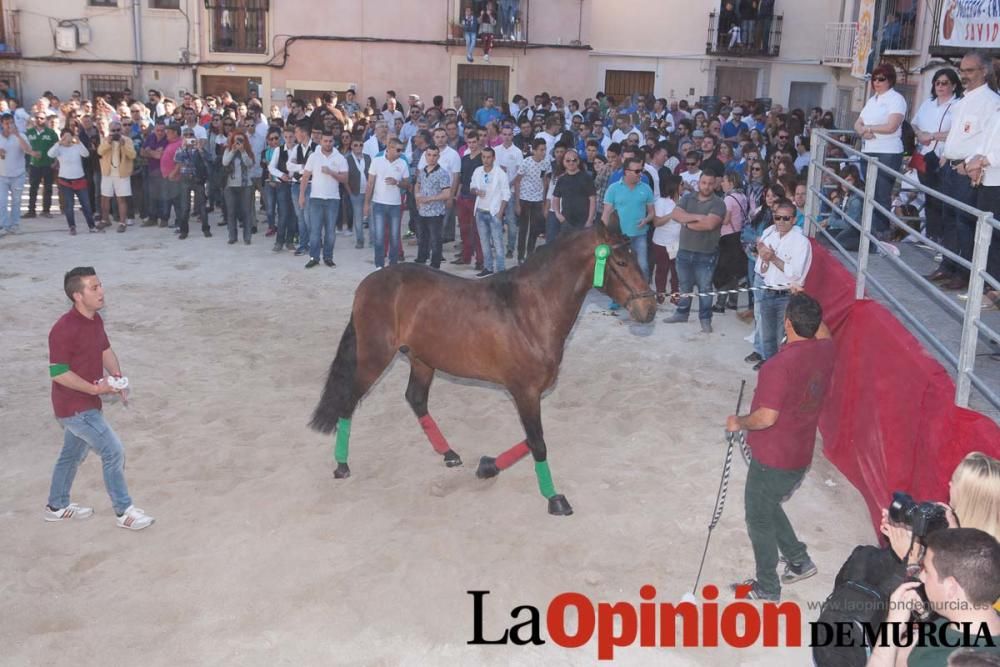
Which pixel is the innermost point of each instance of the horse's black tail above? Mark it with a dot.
(338, 398)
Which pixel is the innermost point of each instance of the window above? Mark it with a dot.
(238, 26)
(164, 4)
(103, 3)
(108, 86)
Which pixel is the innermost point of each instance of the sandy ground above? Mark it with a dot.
(259, 557)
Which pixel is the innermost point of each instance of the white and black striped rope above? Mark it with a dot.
(726, 292)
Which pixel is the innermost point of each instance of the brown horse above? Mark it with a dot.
(509, 329)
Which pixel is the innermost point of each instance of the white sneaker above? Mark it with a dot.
(486, 57)
(71, 511)
(135, 519)
(130, 222)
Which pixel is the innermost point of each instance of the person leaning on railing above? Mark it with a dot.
(984, 170)
(879, 124)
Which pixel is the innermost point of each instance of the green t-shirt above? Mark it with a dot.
(930, 656)
(42, 140)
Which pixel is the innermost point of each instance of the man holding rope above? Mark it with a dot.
(782, 433)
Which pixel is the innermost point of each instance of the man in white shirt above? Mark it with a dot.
(13, 148)
(784, 256)
(325, 170)
(625, 128)
(387, 177)
(191, 122)
(375, 145)
(969, 121)
(492, 190)
(509, 158)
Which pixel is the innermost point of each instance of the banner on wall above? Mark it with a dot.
(863, 42)
(970, 23)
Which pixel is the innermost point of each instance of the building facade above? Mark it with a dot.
(676, 49)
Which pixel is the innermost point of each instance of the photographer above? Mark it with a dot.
(973, 502)
(70, 152)
(117, 159)
(238, 161)
(960, 574)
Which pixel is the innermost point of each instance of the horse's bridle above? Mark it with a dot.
(633, 296)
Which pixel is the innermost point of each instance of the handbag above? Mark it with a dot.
(928, 163)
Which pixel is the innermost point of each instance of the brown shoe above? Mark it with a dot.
(955, 283)
(938, 276)
(148, 222)
(121, 227)
(163, 223)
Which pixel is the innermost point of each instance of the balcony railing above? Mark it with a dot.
(10, 35)
(898, 31)
(760, 37)
(511, 28)
(840, 43)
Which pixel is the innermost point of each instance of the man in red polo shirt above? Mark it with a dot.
(782, 434)
(79, 353)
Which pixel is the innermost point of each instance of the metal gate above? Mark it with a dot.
(477, 81)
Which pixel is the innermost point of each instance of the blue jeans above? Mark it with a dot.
(758, 341)
(302, 215)
(287, 222)
(470, 44)
(11, 188)
(358, 209)
(382, 215)
(238, 207)
(491, 240)
(510, 221)
(640, 248)
(66, 198)
(322, 219)
(270, 197)
(82, 432)
(552, 228)
(696, 268)
(883, 191)
(772, 321)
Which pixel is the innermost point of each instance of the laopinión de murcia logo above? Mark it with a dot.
(703, 624)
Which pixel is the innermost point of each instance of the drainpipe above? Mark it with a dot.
(137, 42)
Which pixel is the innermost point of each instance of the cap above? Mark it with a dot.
(698, 134)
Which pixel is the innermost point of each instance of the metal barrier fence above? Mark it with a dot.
(972, 325)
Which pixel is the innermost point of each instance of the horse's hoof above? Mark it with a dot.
(342, 471)
(487, 468)
(451, 459)
(559, 506)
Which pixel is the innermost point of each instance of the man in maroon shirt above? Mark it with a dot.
(79, 353)
(782, 434)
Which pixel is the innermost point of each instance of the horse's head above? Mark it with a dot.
(617, 274)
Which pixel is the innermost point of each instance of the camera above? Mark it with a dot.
(922, 518)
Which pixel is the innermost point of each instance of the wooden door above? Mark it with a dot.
(619, 84)
(239, 86)
(739, 83)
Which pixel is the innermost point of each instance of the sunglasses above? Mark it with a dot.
(784, 218)
(756, 169)
(692, 164)
(943, 82)
(571, 160)
(635, 171)
(879, 78)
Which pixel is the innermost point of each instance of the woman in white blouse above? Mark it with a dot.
(880, 125)
(931, 125)
(70, 152)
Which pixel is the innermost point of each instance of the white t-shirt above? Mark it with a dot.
(509, 159)
(691, 180)
(933, 117)
(668, 235)
(325, 186)
(70, 159)
(199, 131)
(382, 169)
(13, 163)
(876, 112)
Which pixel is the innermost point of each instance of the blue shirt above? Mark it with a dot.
(630, 204)
(484, 115)
(731, 129)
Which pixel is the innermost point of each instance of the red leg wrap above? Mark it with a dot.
(430, 427)
(512, 455)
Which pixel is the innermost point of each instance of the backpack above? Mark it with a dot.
(860, 594)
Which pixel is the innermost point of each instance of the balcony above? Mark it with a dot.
(840, 43)
(898, 34)
(761, 37)
(10, 35)
(511, 28)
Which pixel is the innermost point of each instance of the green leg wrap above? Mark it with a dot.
(343, 437)
(544, 479)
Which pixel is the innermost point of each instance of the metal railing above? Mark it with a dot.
(840, 39)
(10, 44)
(759, 37)
(972, 324)
(897, 25)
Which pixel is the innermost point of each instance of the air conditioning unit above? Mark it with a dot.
(83, 33)
(66, 38)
